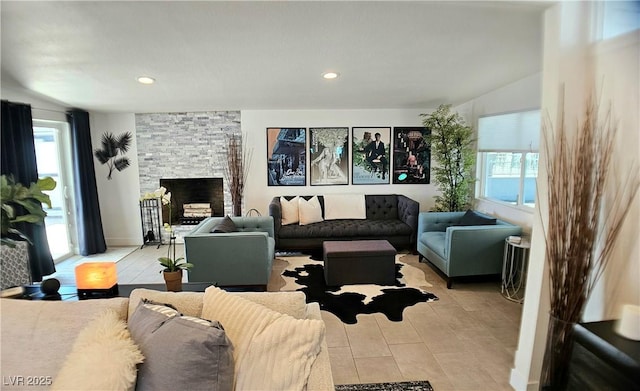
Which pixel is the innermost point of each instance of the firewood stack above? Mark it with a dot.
(197, 210)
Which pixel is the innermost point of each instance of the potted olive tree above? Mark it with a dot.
(451, 147)
(20, 204)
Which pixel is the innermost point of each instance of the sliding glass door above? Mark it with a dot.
(53, 156)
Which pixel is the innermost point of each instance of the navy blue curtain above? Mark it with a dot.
(89, 222)
(18, 156)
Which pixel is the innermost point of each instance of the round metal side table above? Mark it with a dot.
(514, 269)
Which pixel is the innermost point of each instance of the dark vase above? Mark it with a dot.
(560, 338)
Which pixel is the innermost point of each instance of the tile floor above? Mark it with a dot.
(464, 341)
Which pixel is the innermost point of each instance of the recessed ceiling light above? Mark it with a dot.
(330, 75)
(146, 80)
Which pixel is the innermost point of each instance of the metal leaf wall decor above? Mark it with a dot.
(113, 150)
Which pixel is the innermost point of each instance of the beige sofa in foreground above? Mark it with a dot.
(37, 336)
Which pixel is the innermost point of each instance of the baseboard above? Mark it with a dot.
(122, 242)
(520, 382)
(533, 386)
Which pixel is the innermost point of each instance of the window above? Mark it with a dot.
(508, 157)
(619, 17)
(51, 144)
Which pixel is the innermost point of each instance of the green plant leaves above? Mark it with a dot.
(46, 183)
(22, 204)
(31, 218)
(171, 266)
(35, 191)
(452, 148)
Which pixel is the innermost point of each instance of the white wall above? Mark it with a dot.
(616, 66)
(119, 197)
(573, 60)
(255, 122)
(521, 95)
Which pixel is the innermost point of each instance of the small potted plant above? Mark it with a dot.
(173, 271)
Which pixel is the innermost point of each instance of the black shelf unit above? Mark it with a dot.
(151, 222)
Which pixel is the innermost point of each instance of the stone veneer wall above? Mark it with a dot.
(184, 145)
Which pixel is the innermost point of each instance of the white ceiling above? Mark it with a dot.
(268, 55)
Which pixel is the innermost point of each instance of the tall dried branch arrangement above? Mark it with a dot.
(236, 170)
(587, 208)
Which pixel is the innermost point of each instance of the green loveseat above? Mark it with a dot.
(458, 250)
(242, 258)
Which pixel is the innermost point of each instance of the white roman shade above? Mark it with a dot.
(509, 132)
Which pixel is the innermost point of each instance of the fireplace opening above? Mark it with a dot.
(193, 199)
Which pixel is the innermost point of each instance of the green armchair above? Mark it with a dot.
(458, 250)
(242, 258)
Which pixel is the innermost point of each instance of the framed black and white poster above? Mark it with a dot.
(411, 155)
(329, 156)
(286, 156)
(371, 153)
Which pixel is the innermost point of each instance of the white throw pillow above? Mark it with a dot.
(290, 303)
(272, 351)
(289, 210)
(344, 206)
(103, 357)
(309, 211)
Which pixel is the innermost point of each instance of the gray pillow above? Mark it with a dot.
(182, 353)
(147, 318)
(473, 218)
(225, 226)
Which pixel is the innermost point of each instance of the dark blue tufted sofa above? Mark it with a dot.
(390, 216)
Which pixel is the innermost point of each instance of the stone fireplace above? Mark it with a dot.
(185, 145)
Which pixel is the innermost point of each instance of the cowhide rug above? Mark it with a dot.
(303, 273)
